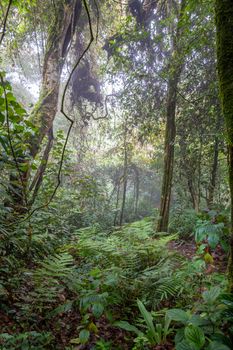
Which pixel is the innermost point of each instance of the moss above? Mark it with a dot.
(224, 26)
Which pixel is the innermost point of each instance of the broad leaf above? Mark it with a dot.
(98, 309)
(213, 240)
(84, 336)
(211, 295)
(197, 320)
(178, 315)
(185, 345)
(147, 316)
(217, 346)
(179, 337)
(195, 335)
(128, 327)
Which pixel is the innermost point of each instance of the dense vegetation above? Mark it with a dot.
(116, 159)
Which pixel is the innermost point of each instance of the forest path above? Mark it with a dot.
(188, 250)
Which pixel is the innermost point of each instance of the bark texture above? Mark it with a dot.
(224, 26)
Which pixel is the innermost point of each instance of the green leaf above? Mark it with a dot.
(213, 240)
(75, 341)
(200, 233)
(24, 166)
(61, 309)
(128, 327)
(197, 320)
(167, 322)
(146, 315)
(184, 345)
(19, 110)
(179, 337)
(4, 142)
(14, 118)
(211, 295)
(95, 272)
(217, 346)
(93, 328)
(10, 96)
(201, 249)
(178, 315)
(19, 128)
(7, 85)
(152, 334)
(195, 335)
(2, 118)
(98, 309)
(222, 339)
(227, 299)
(84, 336)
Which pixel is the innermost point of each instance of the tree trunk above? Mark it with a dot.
(58, 42)
(117, 202)
(224, 26)
(199, 169)
(38, 178)
(136, 189)
(194, 196)
(176, 66)
(170, 135)
(125, 178)
(136, 195)
(214, 169)
(60, 35)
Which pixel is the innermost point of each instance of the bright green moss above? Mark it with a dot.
(224, 24)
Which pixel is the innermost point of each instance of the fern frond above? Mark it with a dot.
(48, 281)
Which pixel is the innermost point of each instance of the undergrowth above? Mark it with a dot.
(95, 278)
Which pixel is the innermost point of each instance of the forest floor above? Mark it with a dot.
(64, 325)
(188, 250)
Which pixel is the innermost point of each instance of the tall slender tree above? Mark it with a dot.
(176, 65)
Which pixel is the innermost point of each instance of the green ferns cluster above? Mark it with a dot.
(141, 263)
(48, 282)
(98, 275)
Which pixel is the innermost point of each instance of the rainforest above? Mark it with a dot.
(116, 174)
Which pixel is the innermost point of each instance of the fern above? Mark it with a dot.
(48, 281)
(128, 249)
(139, 260)
(29, 340)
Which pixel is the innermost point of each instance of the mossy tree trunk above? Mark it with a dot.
(170, 135)
(224, 26)
(176, 65)
(58, 42)
(61, 31)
